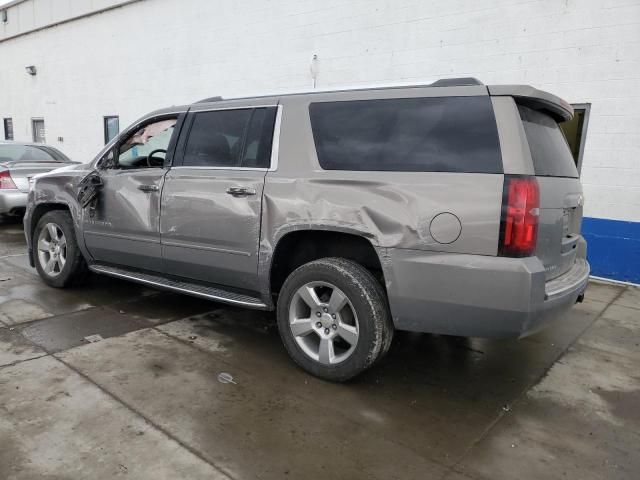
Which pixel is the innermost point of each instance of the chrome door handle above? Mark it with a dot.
(241, 191)
(148, 188)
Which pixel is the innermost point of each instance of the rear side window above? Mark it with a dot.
(549, 148)
(215, 139)
(257, 149)
(444, 134)
(230, 138)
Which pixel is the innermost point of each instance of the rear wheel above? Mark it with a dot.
(333, 318)
(58, 259)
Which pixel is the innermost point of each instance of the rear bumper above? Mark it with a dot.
(476, 295)
(12, 201)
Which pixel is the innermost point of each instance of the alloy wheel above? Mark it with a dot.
(323, 322)
(52, 249)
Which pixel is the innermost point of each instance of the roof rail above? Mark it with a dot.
(456, 82)
(211, 99)
(443, 82)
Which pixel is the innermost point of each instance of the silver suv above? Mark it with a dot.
(451, 208)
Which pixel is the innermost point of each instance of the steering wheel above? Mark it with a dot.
(151, 155)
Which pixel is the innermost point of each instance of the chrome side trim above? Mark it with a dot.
(202, 247)
(275, 146)
(218, 298)
(196, 108)
(134, 238)
(186, 167)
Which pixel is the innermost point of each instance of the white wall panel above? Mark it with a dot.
(155, 53)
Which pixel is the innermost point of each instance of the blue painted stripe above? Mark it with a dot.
(613, 248)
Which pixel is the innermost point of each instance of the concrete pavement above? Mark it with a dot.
(145, 400)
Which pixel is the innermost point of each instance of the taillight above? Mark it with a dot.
(6, 181)
(520, 212)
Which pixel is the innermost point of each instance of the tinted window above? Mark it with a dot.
(257, 151)
(452, 134)
(25, 153)
(216, 138)
(549, 148)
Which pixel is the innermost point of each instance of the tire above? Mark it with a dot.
(74, 268)
(363, 319)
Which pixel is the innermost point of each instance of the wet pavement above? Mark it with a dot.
(113, 379)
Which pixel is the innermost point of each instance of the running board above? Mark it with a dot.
(194, 289)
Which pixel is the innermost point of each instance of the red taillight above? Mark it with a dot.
(6, 181)
(520, 212)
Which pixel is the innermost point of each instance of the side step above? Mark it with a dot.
(194, 289)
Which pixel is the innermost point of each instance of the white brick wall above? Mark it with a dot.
(155, 53)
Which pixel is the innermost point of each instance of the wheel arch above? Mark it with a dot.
(302, 245)
(36, 214)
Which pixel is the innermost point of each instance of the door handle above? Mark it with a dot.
(149, 188)
(241, 191)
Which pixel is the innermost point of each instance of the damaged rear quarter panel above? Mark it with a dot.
(390, 209)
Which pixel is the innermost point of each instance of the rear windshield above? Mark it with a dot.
(28, 153)
(549, 148)
(444, 134)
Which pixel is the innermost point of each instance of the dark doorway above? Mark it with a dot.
(576, 131)
(37, 126)
(111, 127)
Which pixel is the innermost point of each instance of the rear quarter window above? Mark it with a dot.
(550, 151)
(443, 134)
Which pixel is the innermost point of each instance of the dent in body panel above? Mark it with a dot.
(391, 209)
(390, 213)
(207, 233)
(58, 187)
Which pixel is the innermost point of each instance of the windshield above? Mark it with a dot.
(28, 153)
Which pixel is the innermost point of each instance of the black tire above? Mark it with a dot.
(75, 269)
(369, 301)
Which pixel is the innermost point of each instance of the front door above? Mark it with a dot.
(124, 228)
(212, 201)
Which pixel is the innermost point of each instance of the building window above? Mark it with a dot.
(576, 131)
(8, 129)
(37, 128)
(5, 16)
(111, 127)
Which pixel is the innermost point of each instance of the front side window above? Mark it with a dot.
(230, 138)
(148, 146)
(433, 134)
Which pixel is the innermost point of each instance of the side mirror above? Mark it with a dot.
(88, 189)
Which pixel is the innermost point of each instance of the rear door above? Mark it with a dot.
(212, 201)
(561, 197)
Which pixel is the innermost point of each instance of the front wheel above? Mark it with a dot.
(333, 318)
(58, 259)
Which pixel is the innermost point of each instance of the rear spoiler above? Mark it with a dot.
(526, 95)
